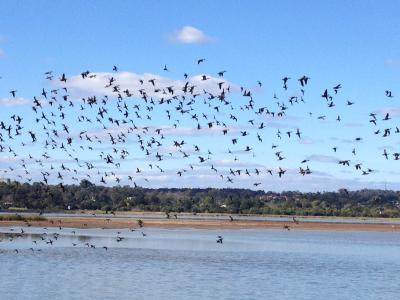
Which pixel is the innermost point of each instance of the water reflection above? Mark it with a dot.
(200, 240)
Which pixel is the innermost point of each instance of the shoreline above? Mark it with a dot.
(220, 222)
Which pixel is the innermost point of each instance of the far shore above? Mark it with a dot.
(210, 221)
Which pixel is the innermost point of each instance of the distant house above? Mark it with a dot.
(7, 204)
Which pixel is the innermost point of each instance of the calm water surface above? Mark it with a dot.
(189, 264)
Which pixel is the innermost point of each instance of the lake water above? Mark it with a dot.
(189, 264)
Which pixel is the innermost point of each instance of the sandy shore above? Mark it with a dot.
(120, 223)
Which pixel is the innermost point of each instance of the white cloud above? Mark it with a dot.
(14, 102)
(79, 87)
(1, 53)
(190, 35)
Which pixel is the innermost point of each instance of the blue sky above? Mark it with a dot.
(353, 43)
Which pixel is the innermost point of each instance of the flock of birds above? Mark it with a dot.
(48, 239)
(69, 138)
(155, 122)
(51, 238)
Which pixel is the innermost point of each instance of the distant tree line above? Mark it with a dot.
(87, 196)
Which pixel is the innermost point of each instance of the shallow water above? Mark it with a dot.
(189, 264)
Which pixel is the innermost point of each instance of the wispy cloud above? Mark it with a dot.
(346, 141)
(104, 134)
(231, 163)
(353, 125)
(190, 35)
(323, 158)
(308, 141)
(8, 159)
(11, 102)
(392, 62)
(205, 131)
(392, 111)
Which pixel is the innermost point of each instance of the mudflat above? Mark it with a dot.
(155, 221)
